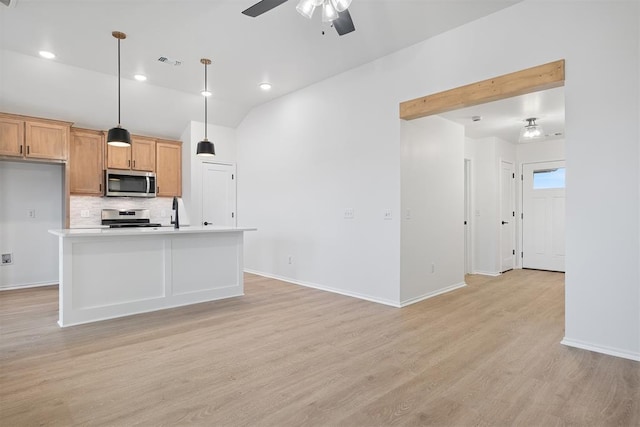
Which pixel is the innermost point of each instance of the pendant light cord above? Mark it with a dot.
(118, 82)
(205, 102)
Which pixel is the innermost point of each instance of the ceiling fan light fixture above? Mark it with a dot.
(118, 136)
(306, 8)
(205, 147)
(531, 131)
(329, 13)
(341, 5)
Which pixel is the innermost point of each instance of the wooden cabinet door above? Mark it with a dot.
(118, 157)
(11, 137)
(46, 140)
(86, 162)
(143, 154)
(169, 168)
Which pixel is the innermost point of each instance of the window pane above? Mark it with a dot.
(548, 178)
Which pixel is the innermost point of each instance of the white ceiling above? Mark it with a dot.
(504, 119)
(280, 46)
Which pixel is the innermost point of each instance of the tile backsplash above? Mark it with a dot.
(159, 208)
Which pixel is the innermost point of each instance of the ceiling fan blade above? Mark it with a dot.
(262, 7)
(344, 24)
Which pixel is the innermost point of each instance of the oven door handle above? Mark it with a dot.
(148, 184)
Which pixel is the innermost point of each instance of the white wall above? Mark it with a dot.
(224, 140)
(308, 155)
(486, 155)
(305, 158)
(432, 197)
(24, 187)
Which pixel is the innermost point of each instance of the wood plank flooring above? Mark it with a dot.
(284, 355)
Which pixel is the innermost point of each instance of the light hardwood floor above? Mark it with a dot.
(284, 355)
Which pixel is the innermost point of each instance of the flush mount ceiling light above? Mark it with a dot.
(118, 136)
(205, 147)
(531, 131)
(330, 8)
(46, 54)
(140, 77)
(265, 86)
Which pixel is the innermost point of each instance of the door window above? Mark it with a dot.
(545, 179)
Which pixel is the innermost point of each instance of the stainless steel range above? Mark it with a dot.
(120, 218)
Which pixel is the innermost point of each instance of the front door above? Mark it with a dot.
(218, 195)
(543, 215)
(507, 216)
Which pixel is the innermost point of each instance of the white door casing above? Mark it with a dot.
(218, 195)
(507, 216)
(543, 216)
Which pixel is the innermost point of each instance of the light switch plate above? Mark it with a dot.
(349, 213)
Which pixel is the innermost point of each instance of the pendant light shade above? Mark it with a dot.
(205, 147)
(118, 136)
(531, 131)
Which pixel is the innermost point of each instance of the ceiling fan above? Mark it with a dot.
(334, 11)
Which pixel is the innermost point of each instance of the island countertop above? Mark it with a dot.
(138, 231)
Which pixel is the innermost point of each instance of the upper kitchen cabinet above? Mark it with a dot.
(169, 168)
(85, 162)
(33, 138)
(140, 156)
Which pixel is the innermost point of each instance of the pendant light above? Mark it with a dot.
(205, 147)
(118, 136)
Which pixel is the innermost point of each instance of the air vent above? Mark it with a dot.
(170, 61)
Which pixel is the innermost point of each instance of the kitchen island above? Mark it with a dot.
(107, 273)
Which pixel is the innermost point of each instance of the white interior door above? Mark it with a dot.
(468, 261)
(218, 195)
(543, 215)
(507, 217)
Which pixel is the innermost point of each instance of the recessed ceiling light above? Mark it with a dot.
(140, 77)
(46, 54)
(205, 93)
(265, 86)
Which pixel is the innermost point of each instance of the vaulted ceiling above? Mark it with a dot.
(280, 47)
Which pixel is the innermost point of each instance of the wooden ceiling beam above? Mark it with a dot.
(533, 79)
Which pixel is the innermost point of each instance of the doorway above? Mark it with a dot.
(543, 215)
(468, 243)
(507, 216)
(218, 195)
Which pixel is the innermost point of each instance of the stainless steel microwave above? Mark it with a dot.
(120, 183)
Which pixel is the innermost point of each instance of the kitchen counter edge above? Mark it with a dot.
(142, 231)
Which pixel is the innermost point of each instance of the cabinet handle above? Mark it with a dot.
(21, 149)
(27, 150)
(134, 163)
(128, 163)
(100, 188)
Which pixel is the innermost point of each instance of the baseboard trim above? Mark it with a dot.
(601, 349)
(487, 273)
(27, 286)
(324, 288)
(432, 294)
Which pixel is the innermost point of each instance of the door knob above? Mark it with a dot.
(505, 222)
(207, 223)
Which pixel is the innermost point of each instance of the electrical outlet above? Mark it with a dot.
(407, 214)
(349, 213)
(433, 268)
(7, 259)
(387, 214)
(31, 213)
(290, 259)
(85, 213)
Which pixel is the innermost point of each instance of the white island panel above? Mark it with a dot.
(130, 261)
(191, 253)
(114, 273)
